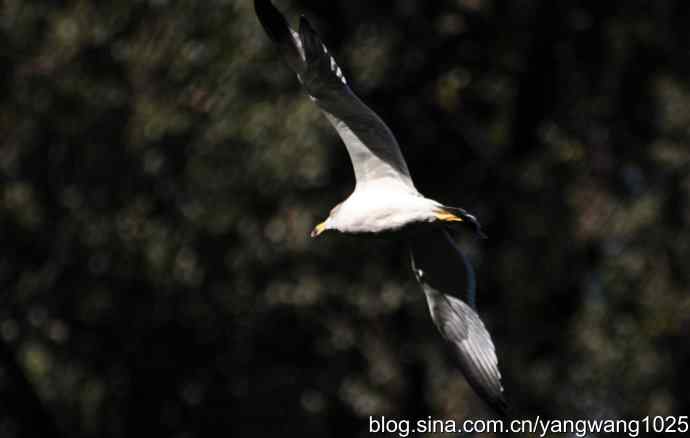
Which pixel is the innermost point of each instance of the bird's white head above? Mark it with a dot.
(331, 222)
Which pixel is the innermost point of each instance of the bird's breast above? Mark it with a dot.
(376, 212)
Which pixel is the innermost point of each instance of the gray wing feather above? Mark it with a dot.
(465, 332)
(372, 147)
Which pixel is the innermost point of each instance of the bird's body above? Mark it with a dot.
(381, 207)
(385, 201)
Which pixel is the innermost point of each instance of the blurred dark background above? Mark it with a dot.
(161, 171)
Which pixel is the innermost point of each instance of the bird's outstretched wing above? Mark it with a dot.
(462, 328)
(373, 149)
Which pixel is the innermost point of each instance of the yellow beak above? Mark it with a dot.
(320, 228)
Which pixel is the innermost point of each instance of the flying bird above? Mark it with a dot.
(385, 200)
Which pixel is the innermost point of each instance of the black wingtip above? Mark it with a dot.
(304, 23)
(501, 407)
(271, 20)
(279, 31)
(305, 26)
(310, 39)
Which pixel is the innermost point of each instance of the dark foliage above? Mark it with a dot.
(160, 172)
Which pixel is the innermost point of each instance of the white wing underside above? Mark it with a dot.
(372, 147)
(368, 167)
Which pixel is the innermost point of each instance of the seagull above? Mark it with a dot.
(385, 201)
